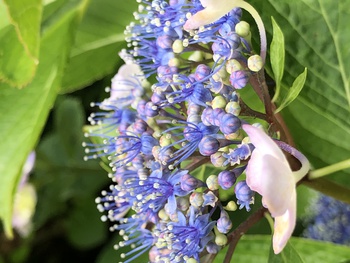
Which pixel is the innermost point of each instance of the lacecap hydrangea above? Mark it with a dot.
(175, 106)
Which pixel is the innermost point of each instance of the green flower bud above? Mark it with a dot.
(242, 29)
(196, 199)
(255, 63)
(212, 182)
(164, 140)
(233, 107)
(219, 102)
(178, 46)
(231, 206)
(233, 65)
(174, 62)
(221, 239)
(196, 56)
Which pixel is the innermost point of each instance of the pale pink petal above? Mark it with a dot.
(272, 179)
(284, 226)
(263, 142)
(213, 11)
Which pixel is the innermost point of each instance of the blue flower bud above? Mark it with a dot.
(224, 224)
(140, 126)
(229, 123)
(141, 108)
(208, 145)
(207, 117)
(202, 71)
(209, 198)
(147, 142)
(213, 248)
(239, 79)
(244, 195)
(151, 110)
(164, 42)
(189, 183)
(194, 118)
(226, 179)
(217, 115)
(158, 97)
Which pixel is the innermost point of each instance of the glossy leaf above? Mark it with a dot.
(23, 112)
(99, 38)
(277, 55)
(294, 91)
(19, 40)
(288, 254)
(256, 248)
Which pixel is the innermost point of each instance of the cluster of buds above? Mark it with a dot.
(174, 107)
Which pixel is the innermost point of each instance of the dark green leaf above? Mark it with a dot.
(99, 39)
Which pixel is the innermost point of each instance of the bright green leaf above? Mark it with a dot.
(19, 40)
(288, 255)
(23, 112)
(277, 55)
(256, 248)
(26, 17)
(294, 91)
(99, 39)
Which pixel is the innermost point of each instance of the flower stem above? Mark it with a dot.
(305, 165)
(236, 235)
(262, 32)
(329, 169)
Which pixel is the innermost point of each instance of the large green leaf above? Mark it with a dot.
(19, 40)
(317, 36)
(255, 248)
(23, 112)
(99, 39)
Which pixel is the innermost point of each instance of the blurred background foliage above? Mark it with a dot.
(57, 56)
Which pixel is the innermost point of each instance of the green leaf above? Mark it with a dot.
(316, 36)
(294, 91)
(19, 40)
(26, 17)
(64, 177)
(277, 55)
(84, 226)
(256, 248)
(288, 254)
(23, 112)
(99, 39)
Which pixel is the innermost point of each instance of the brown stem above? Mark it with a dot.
(236, 235)
(194, 165)
(246, 111)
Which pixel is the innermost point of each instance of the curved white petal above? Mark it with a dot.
(284, 226)
(213, 10)
(264, 143)
(272, 179)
